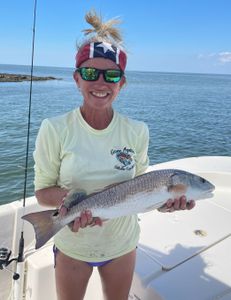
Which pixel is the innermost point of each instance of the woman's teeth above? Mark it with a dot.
(100, 94)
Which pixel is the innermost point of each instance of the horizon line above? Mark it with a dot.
(145, 71)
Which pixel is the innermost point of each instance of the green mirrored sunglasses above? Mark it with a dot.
(92, 74)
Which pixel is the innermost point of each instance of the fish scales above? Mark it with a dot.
(118, 194)
(142, 193)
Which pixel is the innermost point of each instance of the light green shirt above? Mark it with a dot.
(71, 154)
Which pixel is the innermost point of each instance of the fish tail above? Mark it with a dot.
(45, 225)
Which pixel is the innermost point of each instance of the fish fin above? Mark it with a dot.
(45, 225)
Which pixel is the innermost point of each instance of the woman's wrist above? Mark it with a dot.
(51, 196)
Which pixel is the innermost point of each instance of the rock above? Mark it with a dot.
(4, 77)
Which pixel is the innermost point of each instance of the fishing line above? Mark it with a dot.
(5, 254)
(21, 242)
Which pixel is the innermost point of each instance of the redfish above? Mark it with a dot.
(141, 194)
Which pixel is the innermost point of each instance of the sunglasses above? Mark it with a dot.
(92, 74)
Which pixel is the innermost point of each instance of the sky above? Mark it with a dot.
(159, 35)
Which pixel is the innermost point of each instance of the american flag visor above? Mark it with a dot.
(104, 50)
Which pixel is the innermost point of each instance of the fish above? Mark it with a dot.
(141, 194)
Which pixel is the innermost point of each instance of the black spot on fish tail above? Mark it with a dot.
(56, 213)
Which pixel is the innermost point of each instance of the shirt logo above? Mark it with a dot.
(125, 158)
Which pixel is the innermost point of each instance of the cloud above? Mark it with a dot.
(221, 57)
(224, 57)
(206, 56)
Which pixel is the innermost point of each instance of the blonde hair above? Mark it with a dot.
(101, 31)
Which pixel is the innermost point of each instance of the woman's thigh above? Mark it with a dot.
(117, 275)
(71, 276)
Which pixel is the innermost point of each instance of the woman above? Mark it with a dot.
(86, 150)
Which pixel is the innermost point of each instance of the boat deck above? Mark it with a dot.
(181, 255)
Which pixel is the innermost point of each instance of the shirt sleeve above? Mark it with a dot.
(46, 156)
(142, 159)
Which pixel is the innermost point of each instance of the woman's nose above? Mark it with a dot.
(101, 79)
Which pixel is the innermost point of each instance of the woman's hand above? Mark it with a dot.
(83, 221)
(177, 204)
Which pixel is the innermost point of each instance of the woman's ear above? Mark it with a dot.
(75, 76)
(76, 79)
(123, 81)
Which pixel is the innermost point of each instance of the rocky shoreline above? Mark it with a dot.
(5, 77)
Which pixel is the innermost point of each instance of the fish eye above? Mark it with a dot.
(203, 180)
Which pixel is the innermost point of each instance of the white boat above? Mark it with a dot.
(185, 255)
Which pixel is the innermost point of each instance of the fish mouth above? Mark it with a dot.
(208, 194)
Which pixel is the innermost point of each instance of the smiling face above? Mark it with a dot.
(99, 94)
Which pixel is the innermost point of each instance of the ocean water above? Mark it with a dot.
(187, 114)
